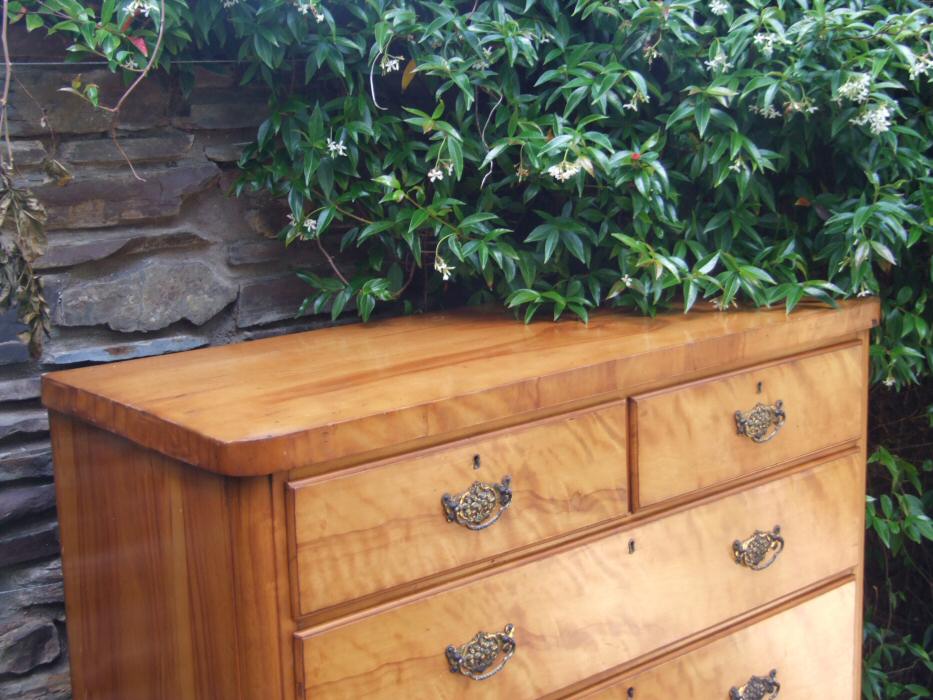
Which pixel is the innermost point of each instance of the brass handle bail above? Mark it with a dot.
(758, 688)
(479, 506)
(761, 423)
(475, 659)
(759, 551)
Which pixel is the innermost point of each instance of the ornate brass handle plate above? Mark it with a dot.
(479, 506)
(760, 550)
(475, 659)
(758, 688)
(761, 423)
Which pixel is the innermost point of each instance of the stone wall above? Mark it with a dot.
(133, 268)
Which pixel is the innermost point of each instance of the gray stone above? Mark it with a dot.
(66, 113)
(27, 644)
(109, 198)
(13, 351)
(28, 543)
(21, 501)
(251, 252)
(29, 461)
(224, 153)
(64, 251)
(271, 299)
(145, 296)
(25, 420)
(268, 221)
(50, 682)
(222, 108)
(28, 153)
(19, 389)
(35, 575)
(172, 145)
(94, 349)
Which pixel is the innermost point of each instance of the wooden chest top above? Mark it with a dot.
(281, 403)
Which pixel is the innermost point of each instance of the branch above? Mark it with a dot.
(330, 261)
(7, 77)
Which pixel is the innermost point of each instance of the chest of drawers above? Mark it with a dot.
(458, 505)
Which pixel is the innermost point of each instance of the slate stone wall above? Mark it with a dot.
(133, 268)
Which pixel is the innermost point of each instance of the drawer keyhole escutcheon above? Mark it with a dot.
(761, 423)
(479, 506)
(758, 688)
(475, 659)
(759, 551)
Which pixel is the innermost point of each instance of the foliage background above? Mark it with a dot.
(556, 157)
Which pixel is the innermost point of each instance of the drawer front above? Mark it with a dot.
(688, 437)
(384, 526)
(588, 609)
(811, 646)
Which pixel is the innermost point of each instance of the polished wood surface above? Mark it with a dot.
(590, 608)
(382, 525)
(283, 403)
(810, 645)
(171, 580)
(687, 438)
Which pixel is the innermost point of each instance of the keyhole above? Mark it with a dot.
(631, 546)
(631, 693)
(760, 385)
(476, 462)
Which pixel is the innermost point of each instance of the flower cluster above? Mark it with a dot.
(564, 170)
(920, 67)
(719, 7)
(389, 63)
(441, 266)
(638, 98)
(768, 41)
(309, 224)
(855, 89)
(309, 6)
(804, 106)
(140, 7)
(877, 119)
(437, 173)
(336, 148)
(719, 62)
(768, 111)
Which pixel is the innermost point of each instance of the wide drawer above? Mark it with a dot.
(692, 437)
(811, 647)
(382, 526)
(588, 609)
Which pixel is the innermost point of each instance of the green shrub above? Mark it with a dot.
(557, 157)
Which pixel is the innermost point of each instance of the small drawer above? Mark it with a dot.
(712, 431)
(586, 610)
(810, 647)
(385, 525)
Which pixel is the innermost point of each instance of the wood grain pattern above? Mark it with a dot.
(811, 646)
(283, 403)
(687, 438)
(588, 609)
(378, 527)
(170, 580)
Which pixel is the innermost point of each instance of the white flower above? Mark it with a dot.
(855, 88)
(564, 170)
(449, 167)
(335, 148)
(889, 381)
(767, 41)
(143, 7)
(920, 67)
(719, 62)
(719, 7)
(627, 280)
(864, 292)
(390, 63)
(291, 220)
(230, 3)
(310, 225)
(768, 112)
(877, 119)
(435, 173)
(441, 266)
(804, 106)
(737, 165)
(638, 98)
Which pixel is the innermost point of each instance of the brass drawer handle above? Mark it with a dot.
(758, 688)
(479, 506)
(760, 550)
(761, 423)
(475, 658)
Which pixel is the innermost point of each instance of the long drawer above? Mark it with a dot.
(810, 647)
(718, 429)
(381, 526)
(588, 609)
